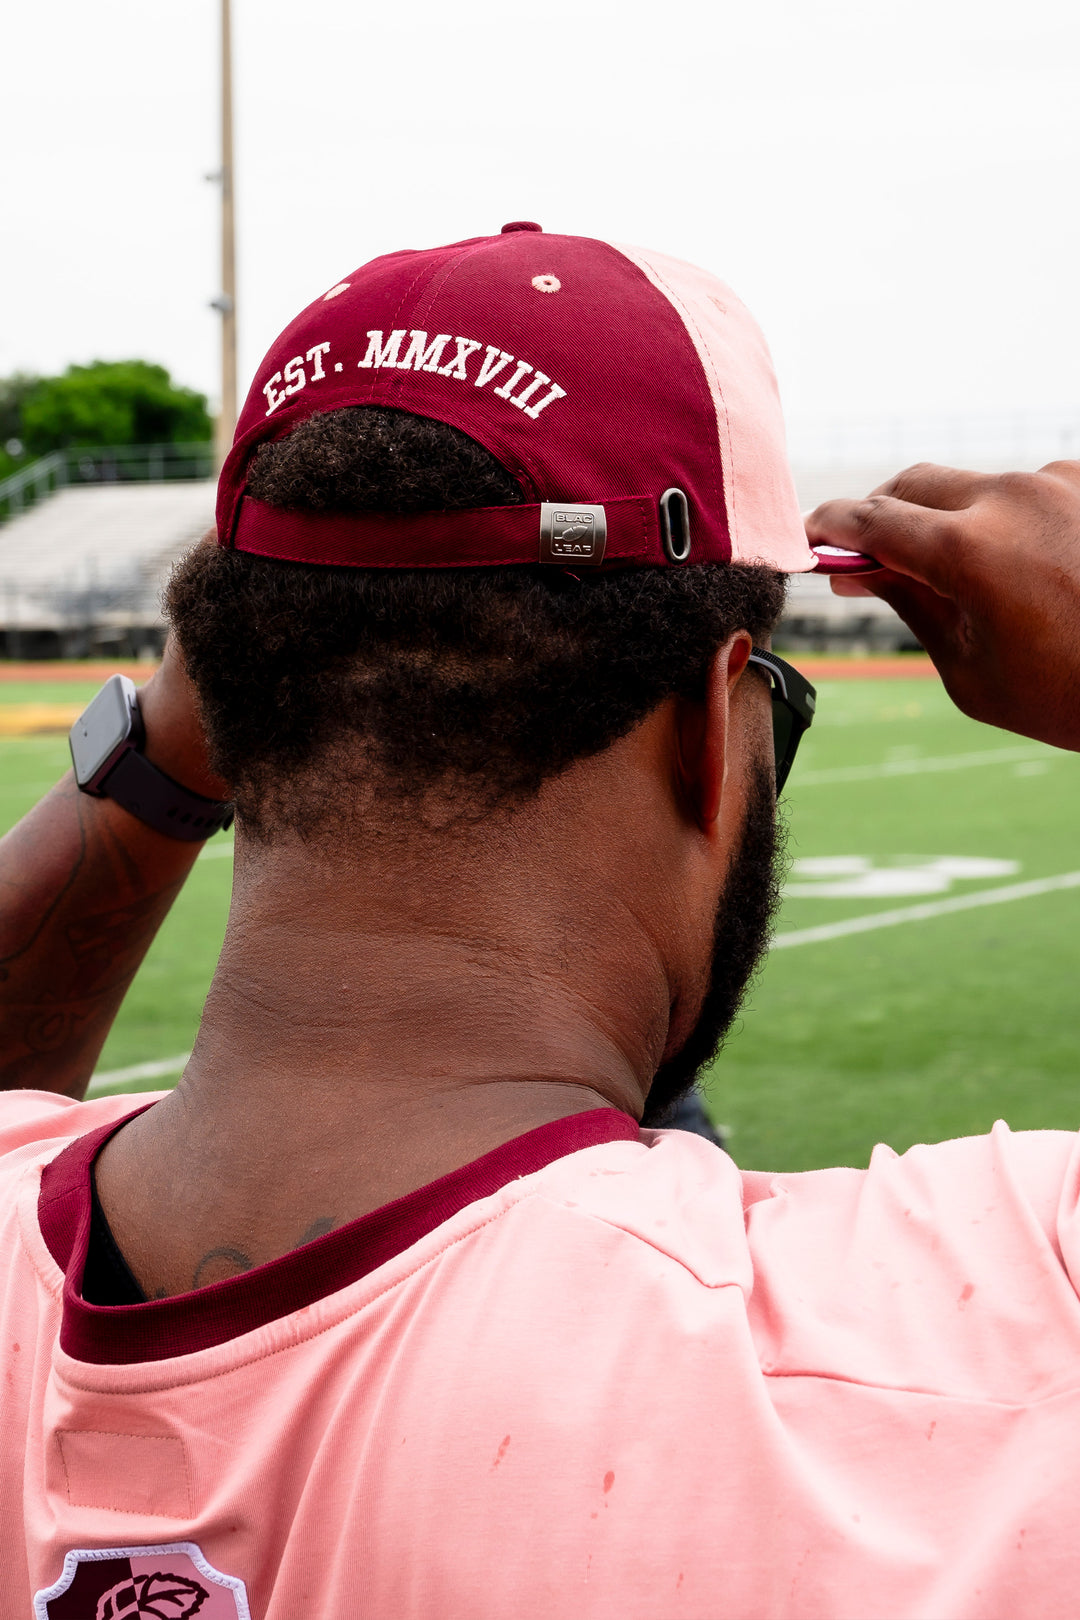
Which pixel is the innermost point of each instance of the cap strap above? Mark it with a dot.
(484, 537)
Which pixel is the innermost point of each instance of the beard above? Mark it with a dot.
(744, 915)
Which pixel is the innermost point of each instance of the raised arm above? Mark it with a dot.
(84, 887)
(986, 571)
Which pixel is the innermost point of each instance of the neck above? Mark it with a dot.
(427, 978)
(377, 1022)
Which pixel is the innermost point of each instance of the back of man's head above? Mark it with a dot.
(349, 666)
(336, 696)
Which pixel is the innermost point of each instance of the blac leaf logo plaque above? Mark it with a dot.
(572, 534)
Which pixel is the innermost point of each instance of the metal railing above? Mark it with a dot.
(102, 464)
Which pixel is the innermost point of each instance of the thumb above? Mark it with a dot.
(932, 618)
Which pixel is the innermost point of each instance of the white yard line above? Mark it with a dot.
(157, 1070)
(217, 852)
(917, 767)
(923, 913)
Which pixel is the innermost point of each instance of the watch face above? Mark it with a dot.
(100, 732)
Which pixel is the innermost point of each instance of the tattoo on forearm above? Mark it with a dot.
(102, 944)
(66, 964)
(41, 922)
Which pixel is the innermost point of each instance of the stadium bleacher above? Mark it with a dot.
(81, 572)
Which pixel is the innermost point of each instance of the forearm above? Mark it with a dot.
(84, 887)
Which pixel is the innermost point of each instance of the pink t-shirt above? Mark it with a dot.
(599, 1374)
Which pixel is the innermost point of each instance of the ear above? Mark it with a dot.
(703, 730)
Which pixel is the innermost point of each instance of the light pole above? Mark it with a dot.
(225, 302)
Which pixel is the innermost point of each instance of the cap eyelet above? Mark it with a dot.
(675, 525)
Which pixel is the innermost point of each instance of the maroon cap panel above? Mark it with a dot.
(556, 353)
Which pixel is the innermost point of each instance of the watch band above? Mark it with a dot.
(140, 788)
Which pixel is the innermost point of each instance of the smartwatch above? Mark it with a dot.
(106, 751)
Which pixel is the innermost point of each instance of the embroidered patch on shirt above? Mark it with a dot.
(142, 1583)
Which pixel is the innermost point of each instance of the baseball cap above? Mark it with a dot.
(631, 395)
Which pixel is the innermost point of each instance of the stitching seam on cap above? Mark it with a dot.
(708, 368)
(436, 279)
(442, 274)
(417, 281)
(524, 470)
(707, 362)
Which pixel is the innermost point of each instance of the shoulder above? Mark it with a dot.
(675, 1193)
(948, 1189)
(953, 1266)
(672, 1188)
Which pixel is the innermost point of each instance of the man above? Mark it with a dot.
(391, 1308)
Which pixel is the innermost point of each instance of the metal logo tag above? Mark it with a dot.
(572, 534)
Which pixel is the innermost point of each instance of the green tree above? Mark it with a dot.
(111, 402)
(14, 391)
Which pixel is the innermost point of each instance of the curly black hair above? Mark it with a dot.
(457, 691)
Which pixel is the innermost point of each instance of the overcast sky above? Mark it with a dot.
(892, 187)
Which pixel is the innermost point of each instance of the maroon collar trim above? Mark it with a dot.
(161, 1329)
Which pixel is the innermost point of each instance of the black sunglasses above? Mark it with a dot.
(793, 703)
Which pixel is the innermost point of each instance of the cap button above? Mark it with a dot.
(521, 225)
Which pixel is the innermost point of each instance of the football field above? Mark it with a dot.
(923, 981)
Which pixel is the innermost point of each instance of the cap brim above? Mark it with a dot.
(834, 560)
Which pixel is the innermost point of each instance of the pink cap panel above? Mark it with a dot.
(762, 507)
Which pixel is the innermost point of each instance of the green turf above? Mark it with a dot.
(915, 1032)
(48, 691)
(927, 1029)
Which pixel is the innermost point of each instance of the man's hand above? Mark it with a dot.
(84, 887)
(986, 571)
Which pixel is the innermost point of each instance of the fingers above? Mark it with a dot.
(927, 615)
(931, 618)
(848, 585)
(945, 489)
(904, 522)
(909, 539)
(1068, 472)
(986, 572)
